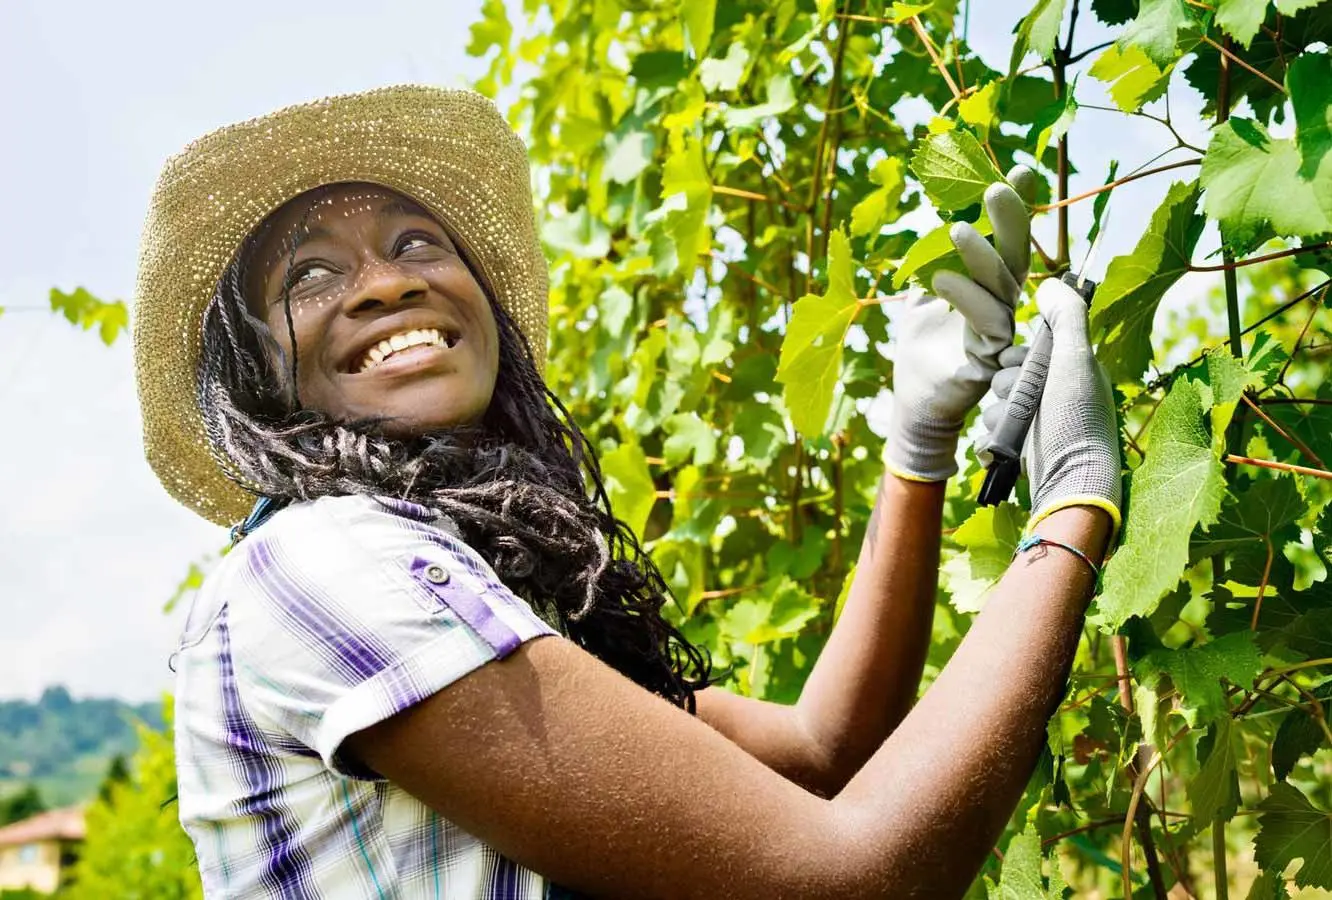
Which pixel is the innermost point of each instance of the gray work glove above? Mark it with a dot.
(1072, 450)
(948, 345)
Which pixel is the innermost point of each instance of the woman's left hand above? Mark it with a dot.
(948, 343)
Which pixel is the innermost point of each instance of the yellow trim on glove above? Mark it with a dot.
(1091, 500)
(908, 476)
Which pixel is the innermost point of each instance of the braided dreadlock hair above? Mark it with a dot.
(515, 484)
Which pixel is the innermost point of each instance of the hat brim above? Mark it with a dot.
(449, 150)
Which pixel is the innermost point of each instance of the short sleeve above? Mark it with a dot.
(347, 612)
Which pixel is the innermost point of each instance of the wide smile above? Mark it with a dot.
(405, 349)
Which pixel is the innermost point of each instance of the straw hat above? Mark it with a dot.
(449, 150)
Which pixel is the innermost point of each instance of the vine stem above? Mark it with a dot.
(1253, 261)
(1060, 204)
(1137, 769)
(1293, 439)
(1279, 466)
(933, 51)
(754, 195)
(1219, 859)
(1228, 56)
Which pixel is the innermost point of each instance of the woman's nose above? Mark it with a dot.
(382, 284)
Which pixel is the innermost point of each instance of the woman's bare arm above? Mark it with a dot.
(568, 768)
(869, 671)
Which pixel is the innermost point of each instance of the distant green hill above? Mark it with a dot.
(64, 745)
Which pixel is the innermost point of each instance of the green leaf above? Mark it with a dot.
(1292, 828)
(1227, 379)
(698, 17)
(1241, 19)
(1300, 734)
(1196, 673)
(1038, 32)
(1115, 12)
(1135, 283)
(688, 436)
(782, 612)
(629, 485)
(1291, 7)
(1268, 886)
(932, 253)
(659, 68)
(724, 74)
(87, 312)
(1020, 878)
(883, 206)
(1156, 29)
(980, 109)
(781, 97)
(954, 169)
(811, 354)
(1253, 183)
(1179, 485)
(491, 30)
(986, 540)
(1053, 122)
(1309, 81)
(628, 155)
(686, 190)
(1099, 204)
(1253, 518)
(1132, 77)
(1214, 791)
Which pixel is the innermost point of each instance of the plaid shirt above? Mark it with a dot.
(333, 616)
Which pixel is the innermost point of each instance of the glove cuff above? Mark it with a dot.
(1093, 500)
(923, 452)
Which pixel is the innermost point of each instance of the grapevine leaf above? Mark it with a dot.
(628, 156)
(1156, 29)
(1196, 673)
(987, 540)
(688, 436)
(1241, 19)
(1252, 519)
(934, 252)
(883, 206)
(1291, 7)
(781, 612)
(1226, 380)
(1020, 878)
(980, 109)
(686, 190)
(699, 17)
(724, 74)
(954, 169)
(1179, 485)
(658, 68)
(1309, 81)
(1038, 32)
(1053, 122)
(811, 354)
(781, 97)
(1300, 734)
(1268, 886)
(493, 29)
(1135, 283)
(86, 311)
(1214, 791)
(1115, 12)
(631, 490)
(1253, 182)
(1310, 422)
(1292, 828)
(1132, 77)
(1099, 204)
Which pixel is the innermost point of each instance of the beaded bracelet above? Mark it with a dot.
(1032, 541)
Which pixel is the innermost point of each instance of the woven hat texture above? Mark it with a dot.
(449, 150)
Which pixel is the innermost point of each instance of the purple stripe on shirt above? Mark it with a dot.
(357, 654)
(471, 608)
(287, 869)
(504, 880)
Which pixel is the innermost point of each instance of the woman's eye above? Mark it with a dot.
(409, 244)
(311, 273)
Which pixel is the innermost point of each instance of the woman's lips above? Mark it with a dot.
(411, 360)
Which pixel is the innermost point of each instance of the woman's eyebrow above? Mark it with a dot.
(400, 207)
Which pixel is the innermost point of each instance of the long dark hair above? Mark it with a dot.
(523, 486)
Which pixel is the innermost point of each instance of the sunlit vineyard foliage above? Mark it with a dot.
(723, 190)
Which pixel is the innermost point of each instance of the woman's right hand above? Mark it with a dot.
(1072, 450)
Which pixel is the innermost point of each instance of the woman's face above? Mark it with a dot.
(388, 319)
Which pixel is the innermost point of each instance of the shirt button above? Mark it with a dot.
(437, 574)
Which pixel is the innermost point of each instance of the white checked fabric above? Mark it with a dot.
(333, 616)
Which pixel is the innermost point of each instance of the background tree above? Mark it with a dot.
(723, 191)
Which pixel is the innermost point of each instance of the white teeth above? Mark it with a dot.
(416, 337)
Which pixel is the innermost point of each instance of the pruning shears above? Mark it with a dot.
(1010, 435)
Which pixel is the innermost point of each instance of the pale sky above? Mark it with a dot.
(94, 97)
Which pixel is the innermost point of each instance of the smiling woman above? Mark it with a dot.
(427, 667)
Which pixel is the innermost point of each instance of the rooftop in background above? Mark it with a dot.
(54, 825)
